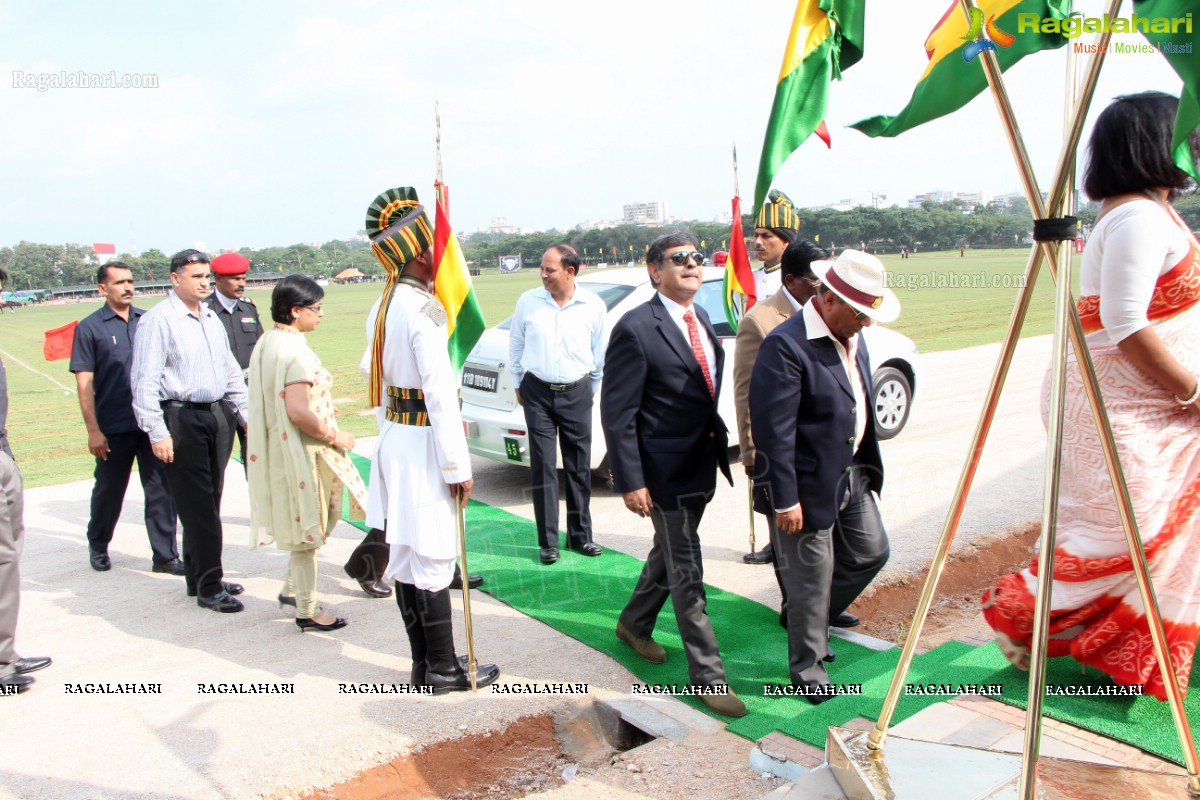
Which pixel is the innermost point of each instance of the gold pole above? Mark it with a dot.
(878, 735)
(749, 480)
(1065, 166)
(472, 667)
(750, 508)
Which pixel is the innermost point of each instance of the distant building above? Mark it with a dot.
(652, 214)
(500, 225)
(970, 200)
(597, 224)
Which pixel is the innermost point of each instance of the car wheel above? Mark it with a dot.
(893, 400)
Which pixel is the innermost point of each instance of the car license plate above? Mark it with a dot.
(512, 448)
(484, 380)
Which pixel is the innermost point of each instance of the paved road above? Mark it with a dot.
(130, 626)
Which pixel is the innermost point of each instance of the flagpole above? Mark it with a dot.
(437, 122)
(749, 479)
(472, 666)
(460, 512)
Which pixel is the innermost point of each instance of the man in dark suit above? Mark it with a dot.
(814, 431)
(665, 441)
(238, 314)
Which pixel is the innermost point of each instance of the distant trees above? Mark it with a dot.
(934, 226)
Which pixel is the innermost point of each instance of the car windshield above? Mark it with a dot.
(610, 293)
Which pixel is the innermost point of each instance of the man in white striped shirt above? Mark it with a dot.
(187, 393)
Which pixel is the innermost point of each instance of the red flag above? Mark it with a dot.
(58, 342)
(104, 249)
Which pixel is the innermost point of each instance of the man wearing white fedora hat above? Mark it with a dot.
(814, 431)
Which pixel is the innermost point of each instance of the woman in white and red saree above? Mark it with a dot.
(1140, 308)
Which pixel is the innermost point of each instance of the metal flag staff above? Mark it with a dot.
(472, 667)
(460, 512)
(1067, 324)
(749, 480)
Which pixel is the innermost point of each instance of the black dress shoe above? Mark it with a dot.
(24, 665)
(460, 680)
(228, 588)
(170, 567)
(99, 561)
(222, 601)
(375, 588)
(817, 693)
(286, 600)
(845, 620)
(549, 555)
(588, 549)
(22, 682)
(830, 656)
(306, 624)
(475, 581)
(764, 556)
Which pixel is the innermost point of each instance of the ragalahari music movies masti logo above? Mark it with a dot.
(983, 36)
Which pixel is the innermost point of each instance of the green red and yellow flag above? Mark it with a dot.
(952, 79)
(826, 38)
(739, 278)
(1177, 48)
(452, 283)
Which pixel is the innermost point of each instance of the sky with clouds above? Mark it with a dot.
(275, 122)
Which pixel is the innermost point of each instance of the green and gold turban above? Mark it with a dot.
(399, 231)
(778, 212)
(398, 227)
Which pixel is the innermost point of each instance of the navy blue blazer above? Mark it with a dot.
(802, 418)
(660, 424)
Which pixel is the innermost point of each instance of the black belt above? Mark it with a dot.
(406, 407)
(559, 387)
(213, 407)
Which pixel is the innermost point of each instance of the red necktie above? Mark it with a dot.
(698, 349)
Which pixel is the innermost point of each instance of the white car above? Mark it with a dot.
(495, 424)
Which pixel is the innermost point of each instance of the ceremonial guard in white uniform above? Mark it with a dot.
(421, 467)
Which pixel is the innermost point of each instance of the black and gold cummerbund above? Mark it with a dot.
(406, 406)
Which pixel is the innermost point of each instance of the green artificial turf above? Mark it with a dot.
(582, 597)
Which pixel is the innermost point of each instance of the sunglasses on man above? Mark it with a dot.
(680, 259)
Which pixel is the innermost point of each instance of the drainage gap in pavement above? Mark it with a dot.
(532, 754)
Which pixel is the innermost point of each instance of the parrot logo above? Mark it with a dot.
(978, 41)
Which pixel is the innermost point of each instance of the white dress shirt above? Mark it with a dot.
(816, 328)
(558, 344)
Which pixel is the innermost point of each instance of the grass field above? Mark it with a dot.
(948, 302)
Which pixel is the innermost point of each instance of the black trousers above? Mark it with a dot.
(565, 419)
(202, 442)
(112, 480)
(674, 569)
(823, 571)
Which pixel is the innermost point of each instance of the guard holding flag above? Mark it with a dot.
(421, 468)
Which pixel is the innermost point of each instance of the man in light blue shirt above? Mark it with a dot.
(556, 348)
(187, 394)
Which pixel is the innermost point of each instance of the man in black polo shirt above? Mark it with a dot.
(238, 314)
(100, 359)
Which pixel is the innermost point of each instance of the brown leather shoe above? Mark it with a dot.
(648, 649)
(727, 705)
